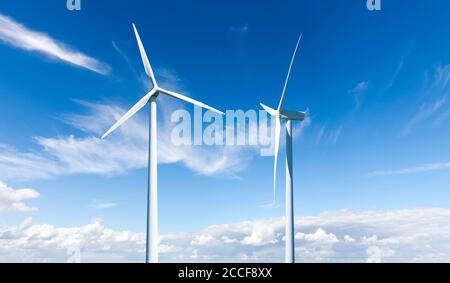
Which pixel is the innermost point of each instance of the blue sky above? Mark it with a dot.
(376, 85)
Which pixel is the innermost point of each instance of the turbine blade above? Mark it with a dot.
(269, 110)
(289, 74)
(189, 100)
(141, 103)
(145, 61)
(276, 147)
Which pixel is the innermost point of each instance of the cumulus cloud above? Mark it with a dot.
(319, 236)
(18, 35)
(410, 235)
(13, 199)
(376, 254)
(261, 234)
(45, 243)
(349, 239)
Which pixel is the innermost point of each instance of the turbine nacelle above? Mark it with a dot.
(292, 115)
(285, 114)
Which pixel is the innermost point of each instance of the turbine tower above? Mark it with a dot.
(152, 197)
(281, 114)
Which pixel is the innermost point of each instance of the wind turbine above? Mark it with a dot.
(150, 98)
(288, 115)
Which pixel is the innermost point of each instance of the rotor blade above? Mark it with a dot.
(269, 110)
(276, 147)
(289, 74)
(130, 113)
(189, 100)
(147, 66)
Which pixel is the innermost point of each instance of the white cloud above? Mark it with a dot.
(17, 35)
(125, 150)
(46, 243)
(13, 199)
(16, 165)
(130, 144)
(201, 240)
(349, 239)
(104, 205)
(411, 170)
(261, 234)
(360, 87)
(319, 236)
(376, 254)
(410, 235)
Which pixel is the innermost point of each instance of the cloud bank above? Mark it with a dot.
(410, 235)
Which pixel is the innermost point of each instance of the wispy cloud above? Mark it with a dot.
(436, 107)
(427, 111)
(103, 205)
(358, 91)
(17, 165)
(300, 127)
(18, 35)
(411, 170)
(442, 76)
(125, 57)
(13, 199)
(442, 117)
(329, 135)
(410, 235)
(240, 30)
(123, 151)
(400, 66)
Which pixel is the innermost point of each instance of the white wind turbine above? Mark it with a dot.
(281, 114)
(150, 98)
